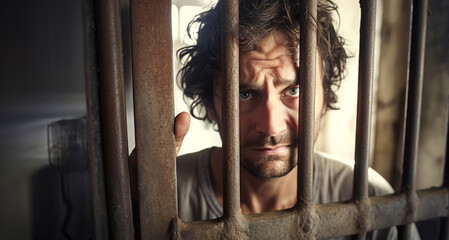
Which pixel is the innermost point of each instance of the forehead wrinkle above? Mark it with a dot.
(257, 85)
(265, 70)
(259, 66)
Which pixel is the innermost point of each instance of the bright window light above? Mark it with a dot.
(175, 22)
(187, 13)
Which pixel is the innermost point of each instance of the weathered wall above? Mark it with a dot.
(391, 88)
(435, 96)
(391, 94)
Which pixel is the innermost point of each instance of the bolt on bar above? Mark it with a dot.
(413, 106)
(229, 21)
(364, 103)
(93, 123)
(154, 114)
(306, 114)
(114, 120)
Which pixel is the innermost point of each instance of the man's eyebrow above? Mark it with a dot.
(277, 81)
(285, 81)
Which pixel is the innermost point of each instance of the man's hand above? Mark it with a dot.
(182, 124)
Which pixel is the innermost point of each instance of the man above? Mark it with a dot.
(269, 91)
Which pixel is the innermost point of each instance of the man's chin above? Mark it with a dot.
(273, 168)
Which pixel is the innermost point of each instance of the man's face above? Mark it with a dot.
(269, 94)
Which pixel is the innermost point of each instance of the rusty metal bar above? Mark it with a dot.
(230, 91)
(154, 114)
(364, 103)
(93, 123)
(414, 92)
(333, 219)
(306, 117)
(444, 223)
(446, 154)
(113, 119)
(413, 105)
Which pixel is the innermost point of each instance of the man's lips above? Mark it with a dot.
(272, 150)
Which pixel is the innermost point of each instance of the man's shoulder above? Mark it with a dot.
(195, 194)
(342, 169)
(189, 165)
(190, 159)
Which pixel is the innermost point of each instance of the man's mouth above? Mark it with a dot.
(272, 150)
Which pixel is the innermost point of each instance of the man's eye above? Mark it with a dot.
(292, 92)
(246, 95)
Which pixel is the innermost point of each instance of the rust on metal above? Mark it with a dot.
(444, 230)
(446, 153)
(333, 219)
(364, 106)
(114, 131)
(156, 154)
(93, 123)
(306, 117)
(154, 114)
(230, 94)
(414, 92)
(364, 98)
(413, 106)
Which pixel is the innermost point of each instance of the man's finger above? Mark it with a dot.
(182, 124)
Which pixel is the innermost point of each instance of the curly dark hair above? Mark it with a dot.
(257, 19)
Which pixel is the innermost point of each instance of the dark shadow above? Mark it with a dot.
(61, 204)
(429, 229)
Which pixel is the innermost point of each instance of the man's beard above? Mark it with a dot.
(272, 166)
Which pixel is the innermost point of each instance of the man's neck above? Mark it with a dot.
(257, 195)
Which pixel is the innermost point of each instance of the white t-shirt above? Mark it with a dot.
(332, 183)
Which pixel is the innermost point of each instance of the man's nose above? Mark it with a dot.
(270, 118)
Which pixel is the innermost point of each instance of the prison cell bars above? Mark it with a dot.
(306, 116)
(444, 229)
(413, 109)
(152, 51)
(363, 124)
(113, 129)
(154, 114)
(93, 123)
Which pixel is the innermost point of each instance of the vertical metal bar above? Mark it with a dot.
(307, 79)
(414, 94)
(114, 119)
(230, 91)
(444, 223)
(364, 98)
(306, 117)
(364, 102)
(413, 112)
(154, 114)
(93, 123)
(446, 154)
